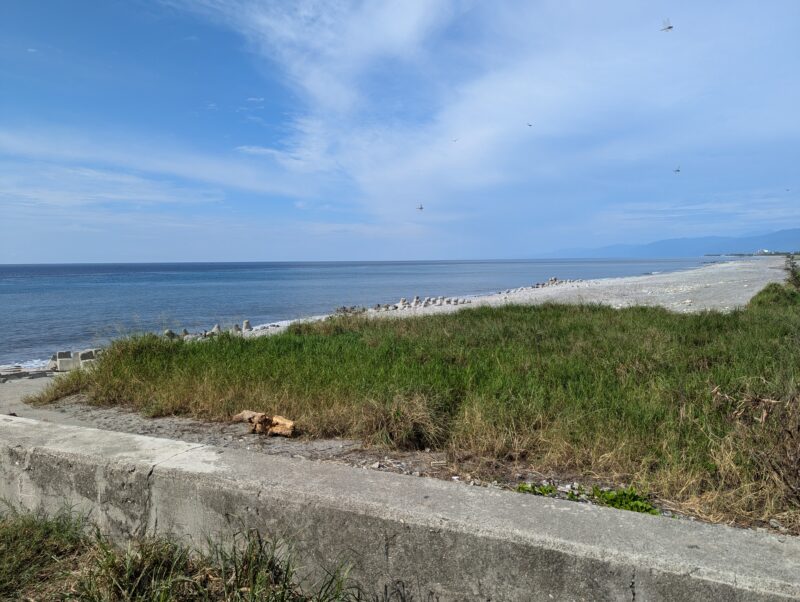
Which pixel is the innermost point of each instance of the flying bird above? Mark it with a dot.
(530, 125)
(420, 208)
(666, 25)
(455, 139)
(677, 170)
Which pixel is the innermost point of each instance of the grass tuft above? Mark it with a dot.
(49, 559)
(35, 548)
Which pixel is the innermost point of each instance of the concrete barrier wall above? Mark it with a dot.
(459, 542)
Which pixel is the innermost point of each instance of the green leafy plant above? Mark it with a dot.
(624, 499)
(536, 489)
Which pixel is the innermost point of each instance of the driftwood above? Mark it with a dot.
(275, 426)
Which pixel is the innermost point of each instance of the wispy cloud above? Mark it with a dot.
(37, 184)
(745, 212)
(388, 86)
(90, 150)
(375, 107)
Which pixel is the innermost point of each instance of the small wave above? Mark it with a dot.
(25, 365)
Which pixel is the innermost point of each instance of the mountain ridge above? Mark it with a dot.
(780, 240)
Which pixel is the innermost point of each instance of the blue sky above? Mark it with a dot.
(224, 130)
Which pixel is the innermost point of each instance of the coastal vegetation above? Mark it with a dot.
(700, 411)
(62, 558)
(623, 499)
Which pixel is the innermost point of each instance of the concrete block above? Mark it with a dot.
(66, 361)
(454, 541)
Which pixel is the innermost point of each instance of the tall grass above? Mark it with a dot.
(54, 558)
(693, 408)
(35, 548)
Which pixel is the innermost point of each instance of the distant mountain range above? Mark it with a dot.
(782, 240)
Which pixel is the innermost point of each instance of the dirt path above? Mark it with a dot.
(76, 412)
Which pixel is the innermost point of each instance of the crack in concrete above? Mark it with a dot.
(176, 454)
(148, 500)
(633, 585)
(25, 468)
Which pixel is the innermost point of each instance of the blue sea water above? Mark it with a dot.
(45, 308)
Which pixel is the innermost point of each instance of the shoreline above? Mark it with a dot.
(721, 286)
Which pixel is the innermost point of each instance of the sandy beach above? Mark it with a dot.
(720, 286)
(716, 286)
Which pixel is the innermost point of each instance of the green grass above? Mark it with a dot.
(536, 489)
(691, 408)
(54, 558)
(34, 547)
(624, 499)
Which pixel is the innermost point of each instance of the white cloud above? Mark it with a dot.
(379, 90)
(325, 46)
(732, 213)
(388, 86)
(43, 184)
(95, 149)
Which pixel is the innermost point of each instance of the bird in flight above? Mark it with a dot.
(666, 25)
(455, 139)
(677, 170)
(420, 208)
(530, 125)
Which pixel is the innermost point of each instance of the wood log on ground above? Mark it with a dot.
(244, 416)
(261, 424)
(281, 427)
(276, 426)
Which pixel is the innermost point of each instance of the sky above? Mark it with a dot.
(244, 130)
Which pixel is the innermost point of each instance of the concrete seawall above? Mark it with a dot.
(459, 542)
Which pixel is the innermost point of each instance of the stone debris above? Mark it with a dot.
(440, 301)
(273, 426)
(347, 310)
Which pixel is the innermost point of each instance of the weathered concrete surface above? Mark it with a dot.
(461, 543)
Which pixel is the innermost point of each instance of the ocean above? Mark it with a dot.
(47, 308)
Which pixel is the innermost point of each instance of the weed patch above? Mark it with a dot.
(545, 490)
(624, 499)
(49, 559)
